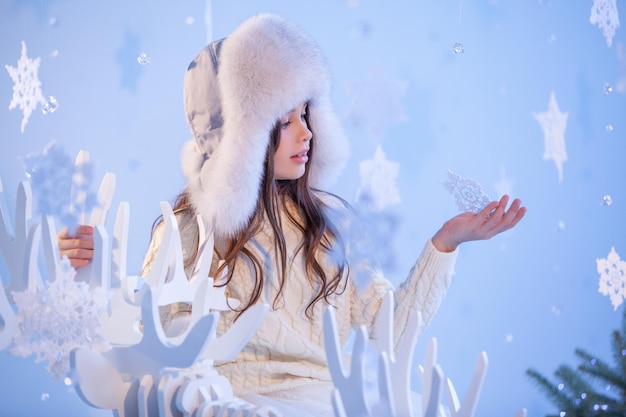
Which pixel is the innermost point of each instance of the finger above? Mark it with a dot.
(84, 230)
(76, 254)
(518, 216)
(511, 218)
(496, 216)
(77, 263)
(66, 244)
(81, 230)
(488, 211)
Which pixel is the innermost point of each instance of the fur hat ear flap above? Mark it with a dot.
(192, 160)
(236, 90)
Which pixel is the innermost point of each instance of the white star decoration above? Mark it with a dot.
(378, 181)
(612, 272)
(604, 14)
(553, 123)
(27, 87)
(376, 102)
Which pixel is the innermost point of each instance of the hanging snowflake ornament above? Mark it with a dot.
(553, 122)
(467, 192)
(27, 93)
(375, 103)
(378, 182)
(612, 272)
(604, 14)
(60, 187)
(62, 316)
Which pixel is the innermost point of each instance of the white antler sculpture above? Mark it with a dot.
(393, 398)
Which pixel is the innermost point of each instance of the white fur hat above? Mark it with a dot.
(236, 89)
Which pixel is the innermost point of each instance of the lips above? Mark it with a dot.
(301, 157)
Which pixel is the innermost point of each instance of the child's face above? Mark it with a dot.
(292, 153)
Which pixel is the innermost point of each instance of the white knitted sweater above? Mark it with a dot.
(287, 350)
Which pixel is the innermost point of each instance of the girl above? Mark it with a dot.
(266, 144)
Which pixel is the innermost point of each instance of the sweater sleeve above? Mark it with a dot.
(424, 289)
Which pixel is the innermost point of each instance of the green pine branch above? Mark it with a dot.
(594, 387)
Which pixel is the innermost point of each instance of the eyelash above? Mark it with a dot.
(288, 122)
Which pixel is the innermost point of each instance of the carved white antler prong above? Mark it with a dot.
(155, 351)
(468, 408)
(349, 385)
(13, 240)
(121, 325)
(399, 360)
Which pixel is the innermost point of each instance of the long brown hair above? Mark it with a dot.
(319, 233)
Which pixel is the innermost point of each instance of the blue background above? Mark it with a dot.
(528, 297)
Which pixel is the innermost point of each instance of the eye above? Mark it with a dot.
(285, 125)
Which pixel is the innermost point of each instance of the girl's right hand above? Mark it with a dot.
(77, 247)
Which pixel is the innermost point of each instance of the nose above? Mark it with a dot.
(306, 133)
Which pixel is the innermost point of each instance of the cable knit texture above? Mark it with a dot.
(287, 351)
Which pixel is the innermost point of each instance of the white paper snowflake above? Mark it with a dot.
(612, 272)
(378, 181)
(553, 123)
(604, 14)
(467, 192)
(60, 188)
(26, 86)
(375, 102)
(54, 320)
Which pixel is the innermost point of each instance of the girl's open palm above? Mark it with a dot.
(493, 219)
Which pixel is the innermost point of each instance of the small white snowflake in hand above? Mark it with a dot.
(54, 320)
(553, 123)
(378, 181)
(612, 272)
(376, 102)
(467, 192)
(604, 14)
(27, 87)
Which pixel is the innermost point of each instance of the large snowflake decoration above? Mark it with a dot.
(58, 318)
(375, 102)
(467, 192)
(27, 87)
(604, 14)
(378, 182)
(60, 188)
(553, 123)
(612, 272)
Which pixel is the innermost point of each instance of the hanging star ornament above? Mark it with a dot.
(604, 14)
(375, 103)
(553, 122)
(612, 272)
(378, 181)
(26, 86)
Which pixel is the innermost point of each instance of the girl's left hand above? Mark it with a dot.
(493, 219)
